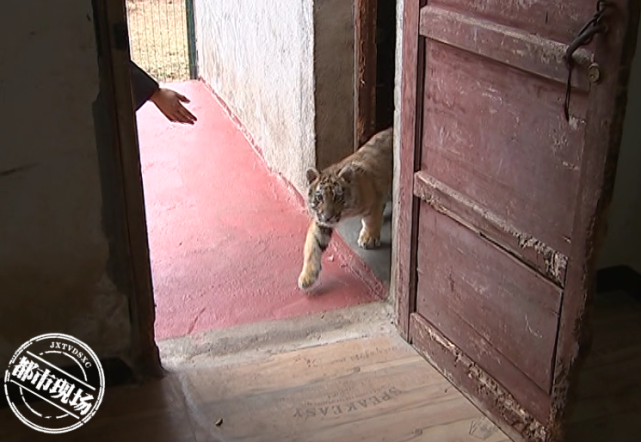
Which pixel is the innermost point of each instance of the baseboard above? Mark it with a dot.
(116, 373)
(619, 278)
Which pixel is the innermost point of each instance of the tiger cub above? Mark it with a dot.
(359, 185)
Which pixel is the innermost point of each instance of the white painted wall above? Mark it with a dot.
(285, 68)
(53, 252)
(258, 57)
(623, 240)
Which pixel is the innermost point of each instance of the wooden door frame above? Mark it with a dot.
(111, 26)
(129, 184)
(365, 13)
(596, 188)
(405, 211)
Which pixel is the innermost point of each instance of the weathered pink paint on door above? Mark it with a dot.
(501, 198)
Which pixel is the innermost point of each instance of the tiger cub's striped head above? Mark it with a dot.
(329, 194)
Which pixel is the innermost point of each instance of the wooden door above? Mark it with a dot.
(501, 198)
(123, 191)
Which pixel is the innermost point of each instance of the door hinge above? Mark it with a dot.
(120, 36)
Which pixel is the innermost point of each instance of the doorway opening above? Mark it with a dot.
(213, 67)
(225, 231)
(378, 62)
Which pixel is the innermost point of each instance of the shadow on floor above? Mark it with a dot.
(379, 260)
(608, 404)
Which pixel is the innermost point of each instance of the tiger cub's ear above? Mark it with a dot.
(346, 173)
(311, 175)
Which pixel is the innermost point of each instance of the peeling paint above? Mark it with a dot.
(530, 429)
(509, 409)
(575, 122)
(555, 262)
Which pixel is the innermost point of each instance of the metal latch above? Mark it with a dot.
(584, 37)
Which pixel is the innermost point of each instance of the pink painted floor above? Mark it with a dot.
(226, 235)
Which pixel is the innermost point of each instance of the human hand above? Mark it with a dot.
(169, 102)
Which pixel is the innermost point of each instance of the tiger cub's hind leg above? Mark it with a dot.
(316, 243)
(370, 236)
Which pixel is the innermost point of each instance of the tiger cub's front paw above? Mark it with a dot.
(307, 279)
(368, 241)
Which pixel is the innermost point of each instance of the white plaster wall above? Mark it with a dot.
(53, 251)
(258, 57)
(623, 239)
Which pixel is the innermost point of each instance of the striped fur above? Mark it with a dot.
(359, 185)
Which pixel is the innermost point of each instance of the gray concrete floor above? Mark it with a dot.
(248, 341)
(379, 260)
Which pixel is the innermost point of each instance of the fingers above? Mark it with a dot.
(169, 102)
(182, 115)
(169, 115)
(191, 117)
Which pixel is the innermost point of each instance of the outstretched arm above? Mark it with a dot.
(142, 85)
(168, 101)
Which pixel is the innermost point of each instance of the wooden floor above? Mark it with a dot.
(375, 389)
(609, 389)
(371, 389)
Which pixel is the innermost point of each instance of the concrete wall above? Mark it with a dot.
(53, 251)
(623, 240)
(285, 68)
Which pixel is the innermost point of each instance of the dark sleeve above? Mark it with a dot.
(142, 85)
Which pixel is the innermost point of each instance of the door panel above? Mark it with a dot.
(500, 199)
(466, 282)
(477, 140)
(556, 20)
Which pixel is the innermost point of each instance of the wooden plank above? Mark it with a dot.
(512, 46)
(483, 137)
(478, 386)
(405, 211)
(606, 111)
(561, 21)
(375, 389)
(476, 348)
(534, 252)
(490, 305)
(365, 61)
